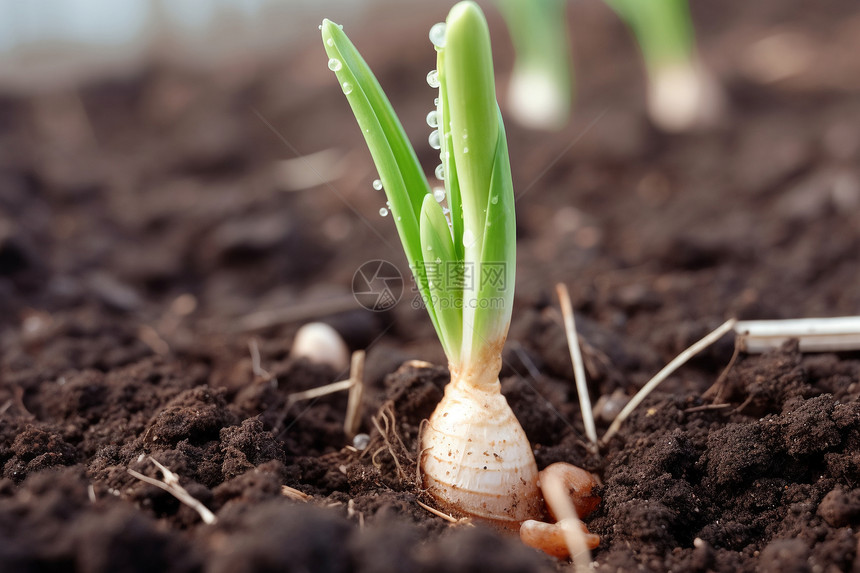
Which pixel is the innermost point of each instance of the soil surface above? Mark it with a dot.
(152, 244)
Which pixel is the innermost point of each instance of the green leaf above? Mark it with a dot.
(452, 181)
(663, 29)
(541, 88)
(399, 170)
(471, 312)
(473, 125)
(495, 276)
(475, 139)
(440, 259)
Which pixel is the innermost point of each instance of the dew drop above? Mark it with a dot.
(429, 247)
(377, 184)
(361, 441)
(436, 101)
(465, 150)
(329, 42)
(433, 140)
(468, 238)
(439, 194)
(320, 26)
(440, 172)
(334, 64)
(445, 210)
(494, 199)
(433, 118)
(433, 78)
(340, 26)
(347, 87)
(399, 218)
(438, 260)
(437, 34)
(383, 212)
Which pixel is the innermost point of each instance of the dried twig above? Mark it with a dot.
(319, 391)
(356, 393)
(355, 385)
(664, 373)
(171, 485)
(576, 358)
(813, 334)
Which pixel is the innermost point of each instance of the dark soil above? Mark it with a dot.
(143, 226)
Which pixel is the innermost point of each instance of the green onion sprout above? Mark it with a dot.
(682, 93)
(540, 92)
(476, 459)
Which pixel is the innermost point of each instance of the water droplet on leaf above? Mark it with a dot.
(347, 87)
(433, 78)
(377, 184)
(437, 34)
(433, 119)
(440, 172)
(494, 199)
(334, 64)
(439, 194)
(433, 140)
(383, 212)
(329, 42)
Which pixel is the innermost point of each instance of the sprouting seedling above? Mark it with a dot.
(541, 88)
(682, 94)
(475, 457)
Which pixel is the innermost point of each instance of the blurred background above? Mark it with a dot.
(198, 158)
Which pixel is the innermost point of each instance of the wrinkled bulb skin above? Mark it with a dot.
(476, 459)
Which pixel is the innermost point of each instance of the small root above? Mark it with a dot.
(386, 426)
(445, 516)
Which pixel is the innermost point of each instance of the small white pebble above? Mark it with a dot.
(361, 441)
(320, 343)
